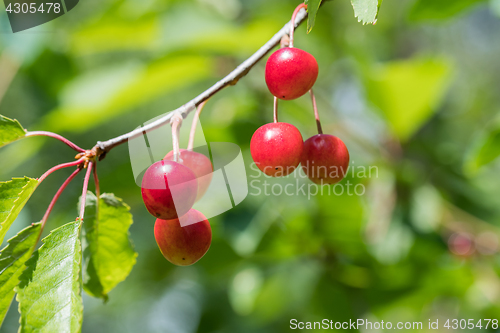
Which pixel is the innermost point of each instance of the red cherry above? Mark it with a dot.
(325, 159)
(276, 148)
(184, 245)
(169, 189)
(461, 244)
(290, 73)
(199, 164)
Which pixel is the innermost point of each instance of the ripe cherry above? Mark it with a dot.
(183, 242)
(199, 164)
(169, 189)
(290, 73)
(325, 159)
(276, 148)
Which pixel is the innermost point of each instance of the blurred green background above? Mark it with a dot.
(416, 96)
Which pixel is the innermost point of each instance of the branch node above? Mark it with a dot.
(187, 108)
(100, 150)
(176, 117)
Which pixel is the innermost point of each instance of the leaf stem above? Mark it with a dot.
(58, 137)
(294, 15)
(84, 191)
(60, 166)
(55, 198)
(176, 123)
(194, 123)
(316, 113)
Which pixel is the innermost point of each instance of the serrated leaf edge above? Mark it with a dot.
(15, 201)
(379, 3)
(77, 274)
(112, 200)
(23, 267)
(20, 126)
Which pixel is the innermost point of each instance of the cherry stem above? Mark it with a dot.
(55, 198)
(96, 181)
(60, 166)
(285, 41)
(176, 122)
(58, 137)
(292, 28)
(316, 114)
(275, 110)
(97, 187)
(84, 191)
(193, 125)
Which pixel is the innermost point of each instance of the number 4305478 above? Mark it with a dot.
(33, 8)
(470, 324)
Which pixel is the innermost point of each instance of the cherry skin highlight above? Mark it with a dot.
(325, 159)
(276, 148)
(169, 189)
(184, 245)
(199, 164)
(290, 73)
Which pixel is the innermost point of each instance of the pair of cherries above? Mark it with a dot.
(169, 191)
(278, 148)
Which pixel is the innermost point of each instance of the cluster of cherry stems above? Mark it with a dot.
(171, 187)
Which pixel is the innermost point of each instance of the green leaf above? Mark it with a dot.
(366, 10)
(10, 130)
(485, 150)
(13, 196)
(439, 9)
(407, 93)
(49, 292)
(12, 263)
(312, 11)
(109, 255)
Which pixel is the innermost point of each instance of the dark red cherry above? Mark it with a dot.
(183, 242)
(276, 148)
(199, 164)
(169, 189)
(290, 73)
(325, 159)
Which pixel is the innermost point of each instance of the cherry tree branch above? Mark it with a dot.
(232, 78)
